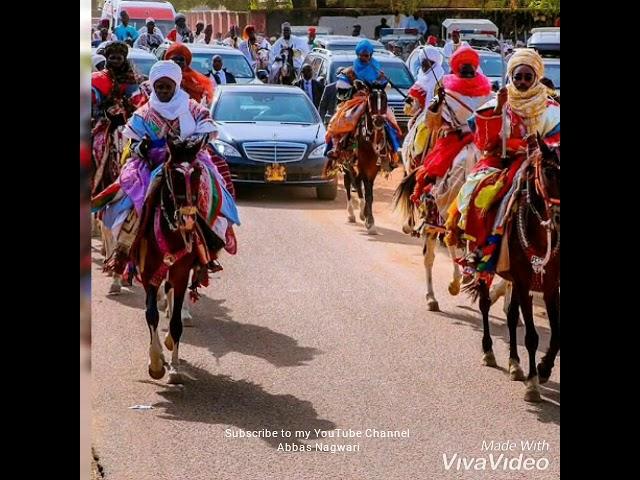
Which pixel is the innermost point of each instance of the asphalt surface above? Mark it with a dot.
(315, 325)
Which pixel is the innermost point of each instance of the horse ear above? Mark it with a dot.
(546, 151)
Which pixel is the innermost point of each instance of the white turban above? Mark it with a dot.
(166, 68)
(431, 53)
(284, 25)
(96, 59)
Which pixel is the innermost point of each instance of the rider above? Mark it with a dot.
(198, 86)
(232, 38)
(299, 45)
(420, 137)
(460, 93)
(530, 112)
(251, 44)
(180, 33)
(311, 38)
(115, 94)
(368, 74)
(168, 112)
(429, 75)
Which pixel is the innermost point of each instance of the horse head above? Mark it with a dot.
(547, 179)
(262, 59)
(182, 175)
(377, 113)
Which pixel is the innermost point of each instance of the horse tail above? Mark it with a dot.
(402, 197)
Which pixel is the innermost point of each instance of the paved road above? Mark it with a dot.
(314, 325)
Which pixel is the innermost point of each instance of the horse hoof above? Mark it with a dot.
(187, 318)
(168, 342)
(406, 228)
(116, 288)
(454, 288)
(362, 216)
(433, 306)
(532, 396)
(175, 378)
(543, 373)
(515, 371)
(351, 218)
(157, 375)
(372, 230)
(489, 360)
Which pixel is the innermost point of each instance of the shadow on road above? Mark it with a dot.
(219, 399)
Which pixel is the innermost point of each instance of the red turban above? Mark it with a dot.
(463, 56)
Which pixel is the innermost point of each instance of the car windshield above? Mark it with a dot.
(349, 47)
(397, 72)
(142, 65)
(491, 66)
(235, 64)
(264, 107)
(552, 71)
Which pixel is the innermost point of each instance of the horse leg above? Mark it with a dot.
(156, 357)
(454, 286)
(369, 222)
(361, 203)
(532, 393)
(429, 254)
(187, 318)
(179, 280)
(162, 298)
(513, 313)
(351, 202)
(552, 301)
(488, 358)
(109, 244)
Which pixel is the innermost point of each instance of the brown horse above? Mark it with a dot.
(371, 149)
(532, 246)
(172, 240)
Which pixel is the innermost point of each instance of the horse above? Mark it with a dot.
(262, 59)
(434, 208)
(171, 242)
(362, 166)
(532, 246)
(283, 71)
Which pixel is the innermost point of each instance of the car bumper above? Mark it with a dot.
(305, 173)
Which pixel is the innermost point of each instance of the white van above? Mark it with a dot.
(477, 32)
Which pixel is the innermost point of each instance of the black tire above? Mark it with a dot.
(327, 192)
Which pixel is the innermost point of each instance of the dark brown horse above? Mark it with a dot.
(532, 237)
(365, 156)
(173, 239)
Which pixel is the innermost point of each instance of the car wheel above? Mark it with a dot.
(327, 192)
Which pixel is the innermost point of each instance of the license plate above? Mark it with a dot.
(275, 173)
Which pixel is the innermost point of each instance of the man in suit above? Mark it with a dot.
(311, 87)
(220, 75)
(329, 100)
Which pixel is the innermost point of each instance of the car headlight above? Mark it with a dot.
(224, 149)
(318, 152)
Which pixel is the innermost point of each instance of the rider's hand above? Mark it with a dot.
(502, 98)
(144, 145)
(381, 75)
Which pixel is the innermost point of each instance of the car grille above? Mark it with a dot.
(281, 152)
(398, 111)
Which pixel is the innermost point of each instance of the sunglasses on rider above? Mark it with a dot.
(527, 77)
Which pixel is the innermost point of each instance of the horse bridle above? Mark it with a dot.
(187, 170)
(378, 125)
(552, 212)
